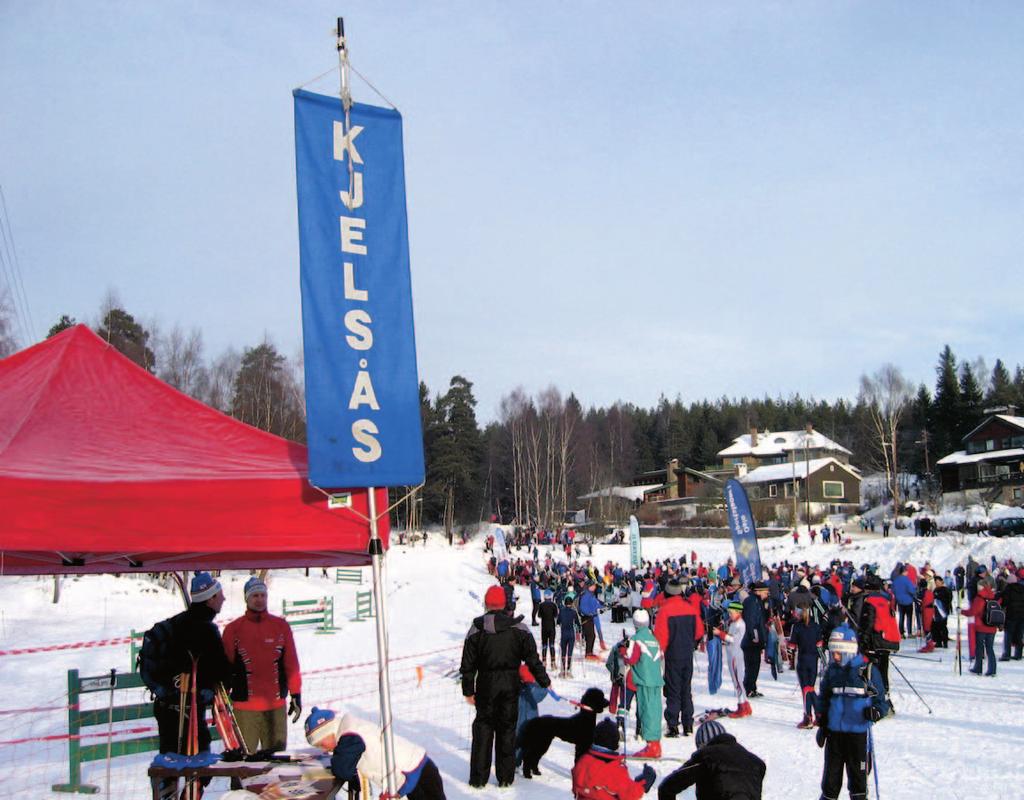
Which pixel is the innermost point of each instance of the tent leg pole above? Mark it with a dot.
(383, 669)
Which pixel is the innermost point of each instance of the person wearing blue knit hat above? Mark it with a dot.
(356, 748)
(187, 642)
(851, 698)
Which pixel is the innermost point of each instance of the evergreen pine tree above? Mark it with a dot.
(454, 451)
(972, 401)
(947, 406)
(1001, 391)
(128, 336)
(62, 324)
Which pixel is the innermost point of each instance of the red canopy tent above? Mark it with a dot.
(105, 468)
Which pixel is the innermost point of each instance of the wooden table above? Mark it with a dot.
(268, 780)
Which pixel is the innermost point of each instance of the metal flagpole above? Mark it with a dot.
(383, 669)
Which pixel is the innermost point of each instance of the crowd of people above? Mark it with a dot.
(835, 625)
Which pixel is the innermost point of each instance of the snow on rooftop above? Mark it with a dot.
(1018, 421)
(769, 444)
(633, 493)
(786, 472)
(962, 457)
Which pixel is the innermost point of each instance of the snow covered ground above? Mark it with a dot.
(968, 747)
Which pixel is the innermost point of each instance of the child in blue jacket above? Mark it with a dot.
(850, 700)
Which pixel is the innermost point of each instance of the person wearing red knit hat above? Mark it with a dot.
(494, 649)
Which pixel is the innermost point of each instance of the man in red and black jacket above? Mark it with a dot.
(265, 670)
(678, 629)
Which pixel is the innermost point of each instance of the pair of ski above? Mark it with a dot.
(188, 716)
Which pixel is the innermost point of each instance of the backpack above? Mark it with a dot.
(994, 616)
(154, 660)
(885, 633)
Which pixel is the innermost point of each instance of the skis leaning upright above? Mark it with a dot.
(225, 722)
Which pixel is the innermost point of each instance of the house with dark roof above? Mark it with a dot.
(991, 463)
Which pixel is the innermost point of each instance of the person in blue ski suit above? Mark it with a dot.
(590, 609)
(806, 639)
(905, 592)
(851, 699)
(569, 623)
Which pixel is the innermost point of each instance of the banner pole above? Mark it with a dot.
(376, 550)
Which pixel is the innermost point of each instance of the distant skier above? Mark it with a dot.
(548, 613)
(806, 640)
(569, 622)
(733, 639)
(643, 655)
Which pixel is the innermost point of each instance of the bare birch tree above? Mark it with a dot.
(887, 396)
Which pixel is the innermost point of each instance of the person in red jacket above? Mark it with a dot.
(261, 650)
(984, 635)
(601, 773)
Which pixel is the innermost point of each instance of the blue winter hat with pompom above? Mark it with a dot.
(315, 722)
(204, 586)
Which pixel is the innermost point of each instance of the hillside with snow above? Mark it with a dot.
(967, 747)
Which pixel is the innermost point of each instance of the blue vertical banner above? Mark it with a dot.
(744, 534)
(362, 387)
(636, 557)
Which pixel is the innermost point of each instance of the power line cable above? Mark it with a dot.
(8, 282)
(31, 332)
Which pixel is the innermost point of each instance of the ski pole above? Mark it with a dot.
(872, 760)
(911, 686)
(919, 658)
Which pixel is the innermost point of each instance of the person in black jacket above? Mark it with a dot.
(755, 617)
(194, 640)
(943, 605)
(495, 647)
(1012, 598)
(548, 613)
(721, 768)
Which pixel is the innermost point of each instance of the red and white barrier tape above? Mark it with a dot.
(50, 648)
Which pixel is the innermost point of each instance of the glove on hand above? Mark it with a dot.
(206, 697)
(872, 714)
(646, 777)
(295, 707)
(820, 737)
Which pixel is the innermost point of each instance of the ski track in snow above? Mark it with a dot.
(972, 740)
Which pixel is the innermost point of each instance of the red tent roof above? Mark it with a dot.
(105, 468)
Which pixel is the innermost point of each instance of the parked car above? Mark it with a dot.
(1007, 526)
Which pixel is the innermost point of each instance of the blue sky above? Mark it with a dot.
(626, 201)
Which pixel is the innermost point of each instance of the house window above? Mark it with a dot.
(773, 490)
(833, 490)
(1018, 493)
(990, 444)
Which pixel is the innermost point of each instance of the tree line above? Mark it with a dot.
(544, 451)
